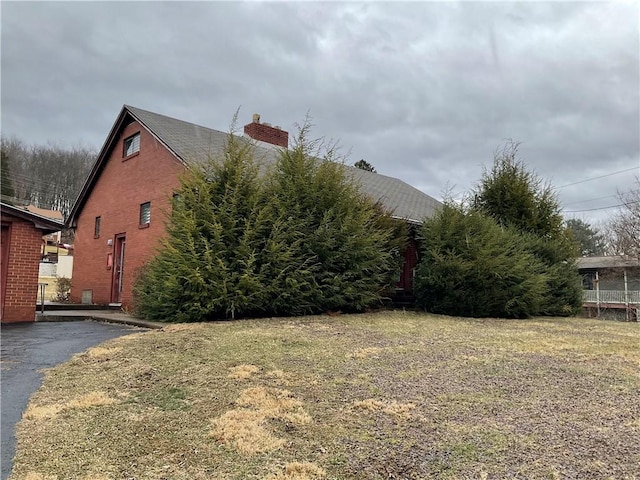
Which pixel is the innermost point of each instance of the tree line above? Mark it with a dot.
(302, 239)
(47, 176)
(619, 235)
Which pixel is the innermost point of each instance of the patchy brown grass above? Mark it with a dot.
(400, 410)
(366, 352)
(242, 372)
(245, 431)
(245, 428)
(37, 476)
(92, 399)
(299, 471)
(375, 396)
(101, 352)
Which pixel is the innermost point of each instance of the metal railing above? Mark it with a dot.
(612, 296)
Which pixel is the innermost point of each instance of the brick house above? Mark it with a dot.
(118, 215)
(22, 233)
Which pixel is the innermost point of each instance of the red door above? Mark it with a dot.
(5, 265)
(118, 269)
(408, 268)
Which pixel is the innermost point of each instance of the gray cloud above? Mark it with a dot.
(424, 91)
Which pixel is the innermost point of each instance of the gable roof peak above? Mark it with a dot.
(193, 144)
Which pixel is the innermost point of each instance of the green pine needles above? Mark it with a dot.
(472, 267)
(296, 240)
(505, 254)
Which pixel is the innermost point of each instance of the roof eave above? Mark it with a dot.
(47, 225)
(95, 170)
(102, 158)
(408, 220)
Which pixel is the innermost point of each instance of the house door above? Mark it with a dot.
(5, 265)
(118, 269)
(408, 267)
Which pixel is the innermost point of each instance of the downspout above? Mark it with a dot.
(626, 295)
(598, 293)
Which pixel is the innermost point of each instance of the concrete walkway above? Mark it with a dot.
(109, 316)
(26, 348)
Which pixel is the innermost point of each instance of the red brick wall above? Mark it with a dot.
(21, 290)
(149, 176)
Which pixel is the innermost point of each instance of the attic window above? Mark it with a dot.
(132, 145)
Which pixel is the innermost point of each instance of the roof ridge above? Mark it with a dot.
(131, 107)
(192, 143)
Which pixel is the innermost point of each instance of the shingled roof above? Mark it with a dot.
(613, 261)
(46, 224)
(193, 143)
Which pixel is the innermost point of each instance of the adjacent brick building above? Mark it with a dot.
(22, 233)
(119, 215)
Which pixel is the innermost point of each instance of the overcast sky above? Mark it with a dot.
(425, 92)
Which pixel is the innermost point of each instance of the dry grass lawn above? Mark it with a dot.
(387, 395)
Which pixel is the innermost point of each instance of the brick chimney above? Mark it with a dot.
(266, 133)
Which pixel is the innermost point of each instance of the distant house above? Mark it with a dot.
(611, 286)
(118, 215)
(22, 233)
(55, 237)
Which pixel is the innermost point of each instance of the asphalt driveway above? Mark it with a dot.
(27, 348)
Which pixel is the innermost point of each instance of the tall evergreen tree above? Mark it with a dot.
(471, 266)
(207, 265)
(302, 239)
(346, 254)
(362, 164)
(517, 198)
(590, 241)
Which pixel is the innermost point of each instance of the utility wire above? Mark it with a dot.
(21, 178)
(599, 198)
(596, 178)
(602, 208)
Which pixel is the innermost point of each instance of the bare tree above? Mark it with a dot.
(47, 176)
(16, 153)
(624, 226)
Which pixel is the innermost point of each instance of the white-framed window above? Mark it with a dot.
(132, 144)
(145, 213)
